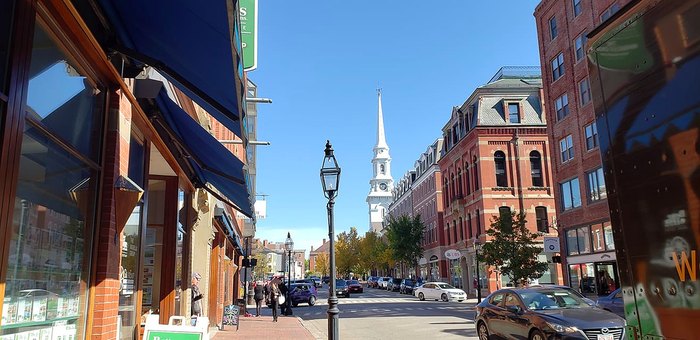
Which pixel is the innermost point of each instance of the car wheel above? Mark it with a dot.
(312, 301)
(536, 334)
(294, 304)
(483, 331)
(421, 297)
(443, 297)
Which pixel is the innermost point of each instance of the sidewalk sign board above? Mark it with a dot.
(177, 329)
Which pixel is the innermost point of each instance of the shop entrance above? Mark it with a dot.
(606, 277)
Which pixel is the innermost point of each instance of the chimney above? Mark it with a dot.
(312, 248)
(324, 241)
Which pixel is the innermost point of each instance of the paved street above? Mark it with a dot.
(378, 314)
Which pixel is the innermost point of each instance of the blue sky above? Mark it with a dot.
(321, 62)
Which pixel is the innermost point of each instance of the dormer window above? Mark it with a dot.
(514, 113)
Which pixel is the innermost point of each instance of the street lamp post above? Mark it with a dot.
(330, 179)
(477, 244)
(288, 245)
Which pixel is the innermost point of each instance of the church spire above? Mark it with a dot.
(381, 139)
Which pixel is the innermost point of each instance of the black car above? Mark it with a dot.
(540, 313)
(406, 286)
(342, 288)
(393, 285)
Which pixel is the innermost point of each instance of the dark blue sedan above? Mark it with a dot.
(612, 303)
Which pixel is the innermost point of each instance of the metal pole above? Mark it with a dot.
(478, 279)
(288, 303)
(333, 310)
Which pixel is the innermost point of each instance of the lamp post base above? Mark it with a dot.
(333, 312)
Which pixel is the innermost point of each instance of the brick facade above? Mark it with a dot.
(580, 113)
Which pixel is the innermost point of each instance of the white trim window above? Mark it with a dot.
(561, 105)
(558, 67)
(566, 146)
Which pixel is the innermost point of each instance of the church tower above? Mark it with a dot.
(381, 185)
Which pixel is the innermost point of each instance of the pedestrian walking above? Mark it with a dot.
(196, 299)
(259, 296)
(274, 296)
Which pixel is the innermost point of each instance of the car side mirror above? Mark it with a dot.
(514, 309)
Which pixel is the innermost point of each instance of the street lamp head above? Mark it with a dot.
(330, 173)
(288, 243)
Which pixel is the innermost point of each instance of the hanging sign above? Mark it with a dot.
(551, 244)
(453, 254)
(249, 33)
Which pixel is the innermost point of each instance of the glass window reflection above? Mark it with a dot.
(61, 97)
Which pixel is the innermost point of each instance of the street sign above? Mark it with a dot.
(453, 254)
(249, 33)
(551, 244)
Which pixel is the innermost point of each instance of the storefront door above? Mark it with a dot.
(606, 277)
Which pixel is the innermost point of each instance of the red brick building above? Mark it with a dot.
(582, 220)
(496, 157)
(419, 192)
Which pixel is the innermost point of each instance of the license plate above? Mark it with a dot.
(606, 337)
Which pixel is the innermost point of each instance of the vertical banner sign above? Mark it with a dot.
(249, 33)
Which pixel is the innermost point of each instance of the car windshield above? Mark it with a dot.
(552, 299)
(387, 278)
(353, 282)
(410, 282)
(340, 283)
(445, 286)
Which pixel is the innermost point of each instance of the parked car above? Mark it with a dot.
(393, 285)
(439, 291)
(354, 286)
(326, 279)
(372, 281)
(612, 303)
(574, 291)
(406, 286)
(342, 288)
(303, 293)
(317, 281)
(543, 313)
(381, 283)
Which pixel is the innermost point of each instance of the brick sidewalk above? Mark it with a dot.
(286, 327)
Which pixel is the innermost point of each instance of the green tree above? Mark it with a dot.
(512, 248)
(322, 265)
(404, 234)
(370, 252)
(347, 252)
(261, 267)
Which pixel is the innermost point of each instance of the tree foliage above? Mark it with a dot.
(404, 234)
(347, 248)
(512, 248)
(371, 252)
(322, 265)
(262, 267)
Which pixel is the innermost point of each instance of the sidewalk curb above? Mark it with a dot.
(315, 332)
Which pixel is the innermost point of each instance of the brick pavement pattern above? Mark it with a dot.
(286, 327)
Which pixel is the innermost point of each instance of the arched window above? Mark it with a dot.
(381, 169)
(461, 229)
(536, 169)
(506, 218)
(542, 223)
(499, 159)
(470, 232)
(466, 178)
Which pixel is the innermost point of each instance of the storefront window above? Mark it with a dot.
(62, 98)
(131, 245)
(609, 242)
(598, 238)
(128, 274)
(575, 277)
(179, 247)
(588, 279)
(571, 242)
(584, 240)
(456, 271)
(153, 249)
(50, 242)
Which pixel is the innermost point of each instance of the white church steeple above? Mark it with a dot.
(381, 184)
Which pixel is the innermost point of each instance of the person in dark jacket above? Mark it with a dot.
(285, 308)
(259, 296)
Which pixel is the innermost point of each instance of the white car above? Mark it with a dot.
(439, 291)
(381, 283)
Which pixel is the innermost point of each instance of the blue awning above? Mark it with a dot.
(221, 216)
(210, 161)
(192, 43)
